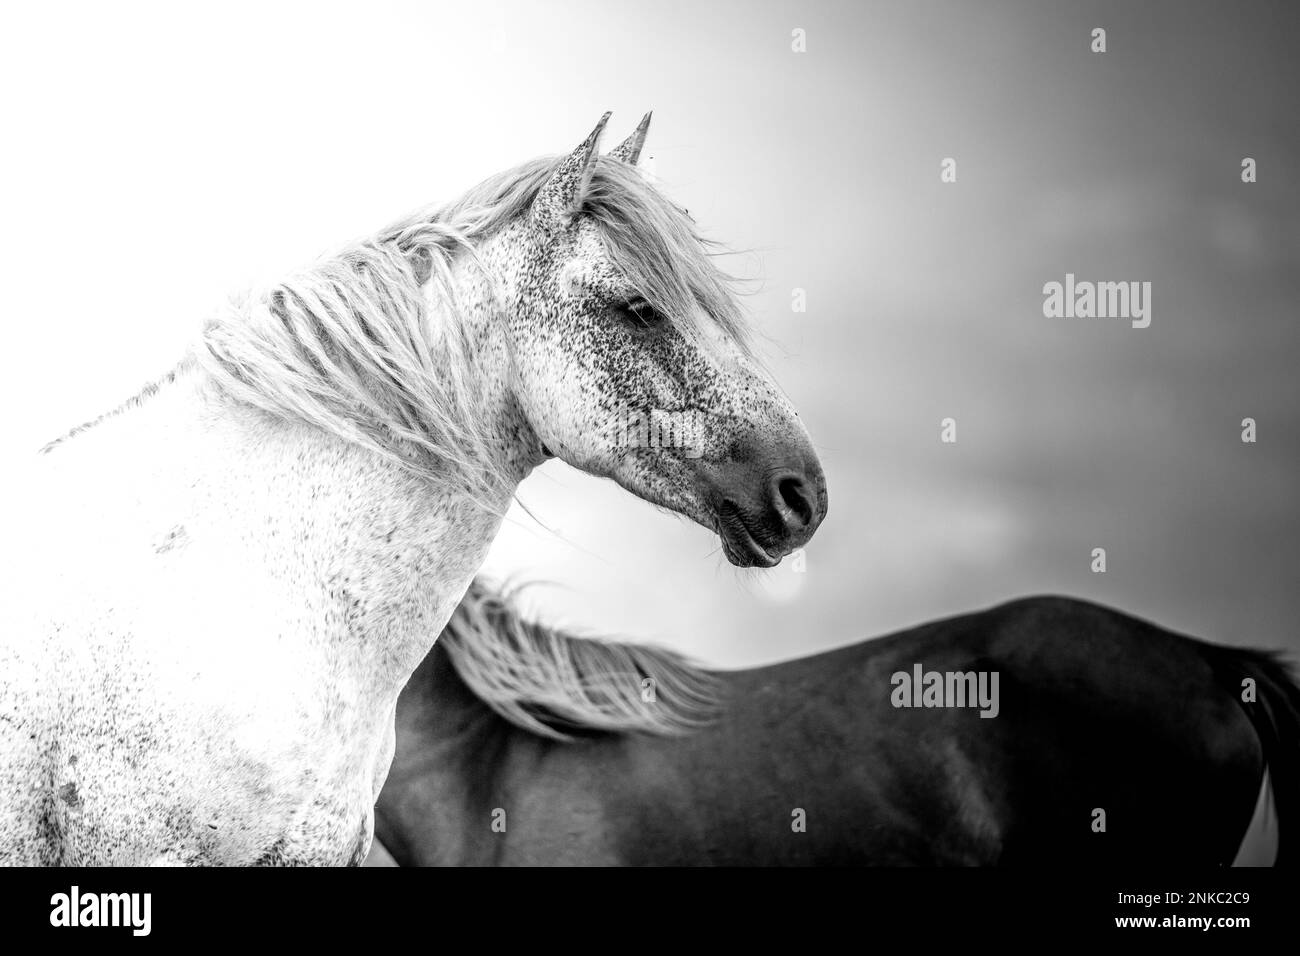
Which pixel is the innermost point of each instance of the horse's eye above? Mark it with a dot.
(641, 315)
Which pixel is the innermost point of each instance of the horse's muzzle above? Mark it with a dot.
(762, 514)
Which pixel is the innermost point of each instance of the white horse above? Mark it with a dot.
(216, 592)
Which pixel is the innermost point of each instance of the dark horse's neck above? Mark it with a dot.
(451, 750)
(468, 787)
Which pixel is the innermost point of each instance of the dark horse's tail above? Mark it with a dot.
(1275, 714)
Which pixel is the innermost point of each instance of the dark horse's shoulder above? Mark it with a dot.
(1044, 617)
(1057, 615)
(1053, 605)
(1033, 633)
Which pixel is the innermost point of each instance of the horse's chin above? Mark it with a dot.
(742, 535)
(740, 545)
(749, 556)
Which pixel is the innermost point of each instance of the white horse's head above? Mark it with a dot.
(628, 356)
(563, 308)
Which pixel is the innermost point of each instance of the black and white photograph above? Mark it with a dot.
(824, 436)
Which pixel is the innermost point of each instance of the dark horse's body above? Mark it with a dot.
(1098, 710)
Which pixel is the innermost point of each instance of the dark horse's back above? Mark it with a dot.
(1113, 741)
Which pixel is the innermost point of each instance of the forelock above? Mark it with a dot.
(656, 247)
(652, 242)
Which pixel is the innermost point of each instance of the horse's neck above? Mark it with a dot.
(373, 557)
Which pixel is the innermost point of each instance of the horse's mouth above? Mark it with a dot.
(739, 543)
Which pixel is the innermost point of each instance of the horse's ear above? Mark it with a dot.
(629, 151)
(563, 193)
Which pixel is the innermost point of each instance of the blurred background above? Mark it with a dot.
(158, 158)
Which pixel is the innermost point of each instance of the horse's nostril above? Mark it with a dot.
(797, 498)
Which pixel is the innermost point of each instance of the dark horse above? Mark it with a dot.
(1114, 741)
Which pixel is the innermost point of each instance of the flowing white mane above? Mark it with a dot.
(547, 682)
